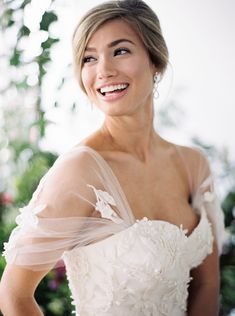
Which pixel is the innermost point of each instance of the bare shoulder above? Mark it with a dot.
(75, 159)
(192, 155)
(196, 164)
(190, 152)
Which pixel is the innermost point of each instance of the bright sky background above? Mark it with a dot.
(201, 42)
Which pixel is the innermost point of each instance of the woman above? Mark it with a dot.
(134, 217)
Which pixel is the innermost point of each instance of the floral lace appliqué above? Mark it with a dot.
(208, 196)
(26, 220)
(104, 200)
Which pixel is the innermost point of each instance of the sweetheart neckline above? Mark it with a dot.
(146, 220)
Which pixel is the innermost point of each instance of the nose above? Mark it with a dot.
(106, 69)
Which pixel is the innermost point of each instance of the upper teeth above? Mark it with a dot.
(112, 88)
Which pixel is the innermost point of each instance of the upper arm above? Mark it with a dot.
(52, 222)
(204, 287)
(18, 282)
(207, 273)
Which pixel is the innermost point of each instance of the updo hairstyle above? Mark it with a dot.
(138, 15)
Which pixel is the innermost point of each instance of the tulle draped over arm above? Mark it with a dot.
(76, 203)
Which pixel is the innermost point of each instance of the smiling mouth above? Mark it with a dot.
(105, 91)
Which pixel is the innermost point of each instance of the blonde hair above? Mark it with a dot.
(137, 14)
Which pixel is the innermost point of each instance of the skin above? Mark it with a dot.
(128, 142)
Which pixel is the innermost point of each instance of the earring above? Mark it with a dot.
(156, 77)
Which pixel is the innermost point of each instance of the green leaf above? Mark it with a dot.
(228, 205)
(61, 83)
(47, 19)
(23, 31)
(6, 18)
(15, 58)
(22, 84)
(44, 58)
(42, 123)
(24, 3)
(49, 42)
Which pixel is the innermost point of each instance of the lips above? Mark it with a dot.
(111, 89)
(113, 92)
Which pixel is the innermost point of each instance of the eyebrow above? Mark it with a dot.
(112, 44)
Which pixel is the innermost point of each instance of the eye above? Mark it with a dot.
(121, 51)
(88, 59)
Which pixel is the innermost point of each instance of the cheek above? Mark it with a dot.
(140, 68)
(86, 77)
(134, 68)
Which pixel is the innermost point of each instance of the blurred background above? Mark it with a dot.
(43, 112)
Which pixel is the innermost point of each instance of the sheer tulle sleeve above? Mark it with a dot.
(203, 192)
(75, 204)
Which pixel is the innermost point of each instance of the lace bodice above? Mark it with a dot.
(143, 270)
(116, 265)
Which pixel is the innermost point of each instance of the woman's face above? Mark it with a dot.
(117, 73)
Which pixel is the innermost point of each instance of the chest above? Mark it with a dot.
(158, 191)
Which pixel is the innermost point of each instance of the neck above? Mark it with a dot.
(131, 134)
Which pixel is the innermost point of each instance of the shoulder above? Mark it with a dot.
(190, 152)
(196, 164)
(192, 156)
(76, 158)
(71, 168)
(64, 189)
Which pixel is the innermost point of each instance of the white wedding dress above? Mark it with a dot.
(142, 270)
(116, 265)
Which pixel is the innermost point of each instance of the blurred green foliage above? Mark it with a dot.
(21, 134)
(38, 164)
(227, 261)
(52, 294)
(226, 177)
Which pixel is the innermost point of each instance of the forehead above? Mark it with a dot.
(113, 30)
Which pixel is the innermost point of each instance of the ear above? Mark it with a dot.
(155, 70)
